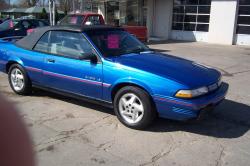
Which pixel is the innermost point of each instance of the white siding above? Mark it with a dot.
(222, 21)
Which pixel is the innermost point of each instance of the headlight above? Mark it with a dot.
(192, 93)
(219, 82)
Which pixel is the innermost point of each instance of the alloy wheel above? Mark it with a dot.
(131, 108)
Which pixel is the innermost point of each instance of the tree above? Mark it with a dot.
(3, 5)
(32, 2)
(27, 3)
(64, 5)
(57, 16)
(44, 14)
(65, 12)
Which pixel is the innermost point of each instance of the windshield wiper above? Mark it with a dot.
(139, 51)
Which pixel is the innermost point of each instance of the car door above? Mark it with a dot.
(66, 68)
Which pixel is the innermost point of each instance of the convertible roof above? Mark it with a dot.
(30, 41)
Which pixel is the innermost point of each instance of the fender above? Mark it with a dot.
(107, 92)
(132, 81)
(11, 60)
(8, 55)
(16, 60)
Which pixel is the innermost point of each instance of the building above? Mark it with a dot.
(35, 11)
(212, 21)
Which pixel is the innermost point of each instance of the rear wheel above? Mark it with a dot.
(18, 80)
(134, 108)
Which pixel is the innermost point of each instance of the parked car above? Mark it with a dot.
(97, 19)
(19, 27)
(109, 66)
(2, 20)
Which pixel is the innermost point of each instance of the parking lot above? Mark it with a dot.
(68, 132)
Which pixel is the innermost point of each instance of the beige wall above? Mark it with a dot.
(159, 18)
(222, 21)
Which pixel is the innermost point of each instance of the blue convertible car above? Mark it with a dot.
(109, 66)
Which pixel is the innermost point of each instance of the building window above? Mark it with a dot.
(125, 12)
(243, 25)
(191, 15)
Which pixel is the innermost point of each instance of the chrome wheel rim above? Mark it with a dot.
(17, 79)
(131, 108)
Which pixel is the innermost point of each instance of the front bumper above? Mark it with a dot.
(184, 109)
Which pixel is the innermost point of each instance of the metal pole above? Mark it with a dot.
(50, 13)
(54, 13)
(74, 9)
(81, 8)
(91, 3)
(83, 5)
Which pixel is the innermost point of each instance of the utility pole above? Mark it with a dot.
(81, 6)
(74, 8)
(52, 14)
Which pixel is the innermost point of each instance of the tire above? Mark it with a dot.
(24, 86)
(134, 108)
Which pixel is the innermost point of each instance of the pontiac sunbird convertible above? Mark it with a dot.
(109, 66)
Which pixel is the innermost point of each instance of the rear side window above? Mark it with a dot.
(72, 20)
(43, 44)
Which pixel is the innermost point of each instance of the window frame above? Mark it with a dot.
(197, 14)
(97, 54)
(245, 25)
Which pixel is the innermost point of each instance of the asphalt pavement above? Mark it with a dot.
(69, 132)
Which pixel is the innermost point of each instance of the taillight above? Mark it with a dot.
(29, 31)
(11, 24)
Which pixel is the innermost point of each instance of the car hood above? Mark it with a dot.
(186, 72)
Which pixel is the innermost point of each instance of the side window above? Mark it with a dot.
(43, 44)
(69, 44)
(93, 20)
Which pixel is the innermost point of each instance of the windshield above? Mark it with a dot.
(116, 42)
(7, 25)
(72, 20)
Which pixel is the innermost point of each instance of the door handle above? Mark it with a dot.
(51, 60)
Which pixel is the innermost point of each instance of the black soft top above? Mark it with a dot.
(30, 41)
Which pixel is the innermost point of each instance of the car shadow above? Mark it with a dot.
(229, 120)
(82, 103)
(168, 42)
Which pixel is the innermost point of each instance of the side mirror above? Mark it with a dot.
(89, 56)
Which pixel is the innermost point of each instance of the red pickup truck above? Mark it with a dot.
(96, 19)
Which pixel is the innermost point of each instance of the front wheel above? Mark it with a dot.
(19, 81)
(134, 108)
